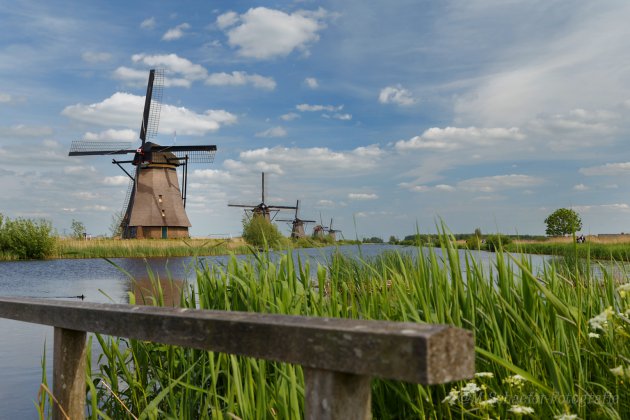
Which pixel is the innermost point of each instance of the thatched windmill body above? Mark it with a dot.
(262, 209)
(155, 204)
(297, 224)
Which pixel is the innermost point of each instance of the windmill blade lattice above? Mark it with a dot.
(86, 147)
(156, 104)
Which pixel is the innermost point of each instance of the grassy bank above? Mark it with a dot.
(593, 250)
(549, 344)
(115, 248)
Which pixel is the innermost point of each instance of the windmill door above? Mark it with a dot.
(164, 232)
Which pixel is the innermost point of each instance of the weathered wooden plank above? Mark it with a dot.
(418, 353)
(336, 396)
(69, 359)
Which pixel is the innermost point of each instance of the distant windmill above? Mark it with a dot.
(333, 232)
(319, 231)
(262, 209)
(155, 205)
(297, 224)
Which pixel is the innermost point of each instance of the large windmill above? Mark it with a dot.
(155, 204)
(262, 209)
(297, 224)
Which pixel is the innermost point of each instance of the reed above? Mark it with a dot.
(146, 248)
(549, 344)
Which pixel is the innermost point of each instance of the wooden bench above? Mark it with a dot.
(339, 356)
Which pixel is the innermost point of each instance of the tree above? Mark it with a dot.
(563, 222)
(78, 229)
(258, 231)
(115, 228)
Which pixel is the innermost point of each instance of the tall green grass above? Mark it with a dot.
(548, 343)
(146, 248)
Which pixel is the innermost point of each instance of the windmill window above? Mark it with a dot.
(160, 200)
(163, 215)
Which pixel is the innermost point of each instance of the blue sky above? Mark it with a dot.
(382, 115)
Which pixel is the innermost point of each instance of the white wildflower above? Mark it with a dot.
(566, 416)
(521, 409)
(514, 380)
(488, 403)
(484, 375)
(452, 397)
(598, 322)
(624, 288)
(593, 335)
(621, 371)
(471, 388)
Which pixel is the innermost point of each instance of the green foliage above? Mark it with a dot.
(259, 232)
(115, 227)
(563, 222)
(556, 344)
(496, 242)
(373, 240)
(26, 238)
(393, 240)
(473, 242)
(78, 229)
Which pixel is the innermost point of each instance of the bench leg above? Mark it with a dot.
(335, 395)
(69, 373)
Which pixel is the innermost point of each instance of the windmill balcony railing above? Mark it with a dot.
(339, 356)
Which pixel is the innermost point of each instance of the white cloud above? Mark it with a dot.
(273, 132)
(451, 138)
(173, 63)
(227, 19)
(499, 182)
(608, 169)
(176, 32)
(96, 57)
(325, 203)
(21, 130)
(111, 134)
(116, 180)
(240, 78)
(580, 187)
(362, 196)
(289, 116)
(576, 61)
(616, 207)
(139, 78)
(125, 110)
(427, 188)
(264, 33)
(148, 23)
(78, 169)
(342, 117)
(5, 98)
(317, 108)
(214, 175)
(315, 160)
(396, 95)
(311, 82)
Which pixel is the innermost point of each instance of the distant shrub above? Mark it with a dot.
(473, 242)
(26, 238)
(259, 232)
(494, 242)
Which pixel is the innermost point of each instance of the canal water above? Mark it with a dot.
(97, 280)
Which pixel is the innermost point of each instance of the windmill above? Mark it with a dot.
(333, 232)
(320, 230)
(155, 204)
(262, 209)
(297, 224)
